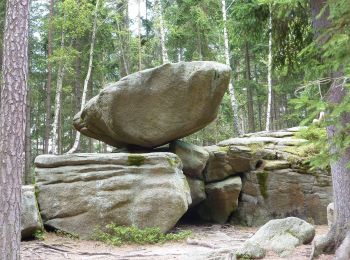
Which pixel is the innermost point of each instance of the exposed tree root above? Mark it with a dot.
(336, 241)
(343, 251)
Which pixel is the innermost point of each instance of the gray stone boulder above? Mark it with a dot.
(250, 250)
(227, 161)
(194, 158)
(155, 106)
(280, 236)
(197, 189)
(30, 216)
(81, 192)
(222, 200)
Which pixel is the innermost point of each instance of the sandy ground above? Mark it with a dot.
(207, 242)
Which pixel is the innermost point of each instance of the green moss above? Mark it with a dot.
(262, 180)
(173, 161)
(224, 149)
(39, 235)
(136, 160)
(256, 147)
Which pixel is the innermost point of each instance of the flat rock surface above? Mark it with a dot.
(213, 242)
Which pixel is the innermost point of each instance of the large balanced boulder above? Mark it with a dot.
(81, 192)
(280, 236)
(30, 216)
(155, 106)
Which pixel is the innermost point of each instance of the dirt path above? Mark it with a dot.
(207, 242)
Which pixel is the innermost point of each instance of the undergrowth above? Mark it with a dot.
(119, 235)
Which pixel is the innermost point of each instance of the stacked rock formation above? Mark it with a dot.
(247, 180)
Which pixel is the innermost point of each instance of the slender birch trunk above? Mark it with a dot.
(123, 36)
(49, 80)
(12, 125)
(58, 97)
(165, 58)
(269, 74)
(88, 75)
(231, 85)
(139, 32)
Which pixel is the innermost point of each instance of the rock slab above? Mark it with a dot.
(81, 192)
(30, 216)
(155, 106)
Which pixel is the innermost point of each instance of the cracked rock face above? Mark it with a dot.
(80, 192)
(155, 106)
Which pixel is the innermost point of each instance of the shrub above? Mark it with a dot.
(118, 235)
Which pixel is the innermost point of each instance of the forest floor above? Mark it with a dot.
(206, 242)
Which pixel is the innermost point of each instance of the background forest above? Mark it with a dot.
(78, 46)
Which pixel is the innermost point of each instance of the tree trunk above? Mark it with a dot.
(234, 105)
(123, 37)
(339, 167)
(58, 101)
(12, 125)
(199, 44)
(165, 58)
(88, 75)
(251, 121)
(49, 80)
(258, 98)
(27, 178)
(269, 74)
(139, 32)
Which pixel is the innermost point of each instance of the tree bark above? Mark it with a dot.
(251, 121)
(49, 80)
(139, 32)
(27, 178)
(339, 167)
(269, 74)
(58, 101)
(88, 75)
(123, 37)
(12, 125)
(234, 105)
(165, 58)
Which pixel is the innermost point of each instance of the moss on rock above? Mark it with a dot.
(262, 180)
(136, 160)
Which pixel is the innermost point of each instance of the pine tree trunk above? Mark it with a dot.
(49, 80)
(88, 75)
(12, 125)
(269, 75)
(251, 121)
(339, 167)
(165, 58)
(234, 105)
(27, 178)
